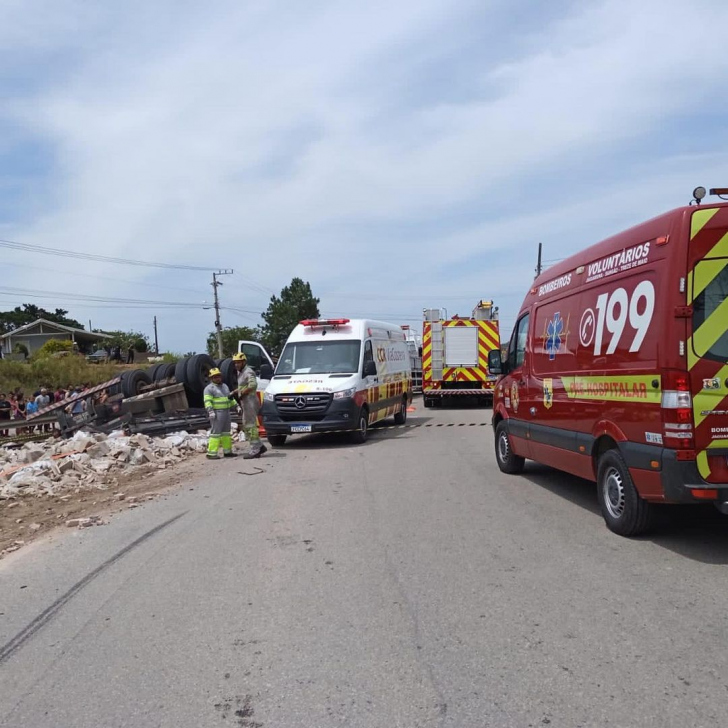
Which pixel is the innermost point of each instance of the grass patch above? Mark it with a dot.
(49, 372)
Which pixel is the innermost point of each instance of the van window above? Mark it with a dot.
(517, 351)
(368, 353)
(705, 305)
(320, 357)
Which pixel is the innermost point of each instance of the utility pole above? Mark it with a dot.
(156, 340)
(218, 326)
(538, 265)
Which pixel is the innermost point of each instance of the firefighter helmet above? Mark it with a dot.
(215, 373)
(240, 357)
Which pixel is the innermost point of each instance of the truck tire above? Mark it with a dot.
(180, 371)
(132, 382)
(401, 417)
(164, 371)
(359, 436)
(508, 461)
(153, 370)
(623, 510)
(277, 440)
(198, 367)
(229, 375)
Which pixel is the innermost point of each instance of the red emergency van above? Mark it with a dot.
(617, 369)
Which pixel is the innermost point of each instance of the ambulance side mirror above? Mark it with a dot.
(266, 371)
(495, 365)
(370, 369)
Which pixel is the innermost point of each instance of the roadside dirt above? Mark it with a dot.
(25, 519)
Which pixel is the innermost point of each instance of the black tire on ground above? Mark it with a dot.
(401, 417)
(359, 436)
(198, 367)
(507, 460)
(164, 371)
(132, 381)
(229, 375)
(277, 440)
(623, 510)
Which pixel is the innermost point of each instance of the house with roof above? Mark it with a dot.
(32, 336)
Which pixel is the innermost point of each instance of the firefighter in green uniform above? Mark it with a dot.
(217, 398)
(247, 393)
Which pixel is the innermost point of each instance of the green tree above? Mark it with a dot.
(296, 303)
(125, 339)
(230, 337)
(28, 312)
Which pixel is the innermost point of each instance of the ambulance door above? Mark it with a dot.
(516, 395)
(708, 341)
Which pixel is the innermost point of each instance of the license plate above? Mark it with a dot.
(297, 429)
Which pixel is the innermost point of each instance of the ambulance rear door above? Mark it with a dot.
(707, 347)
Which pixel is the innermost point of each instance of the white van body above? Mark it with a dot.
(337, 375)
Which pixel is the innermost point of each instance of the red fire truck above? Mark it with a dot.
(617, 369)
(455, 354)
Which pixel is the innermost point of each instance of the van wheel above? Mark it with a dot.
(624, 511)
(401, 417)
(508, 461)
(277, 440)
(359, 436)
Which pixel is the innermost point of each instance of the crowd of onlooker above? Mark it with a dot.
(15, 407)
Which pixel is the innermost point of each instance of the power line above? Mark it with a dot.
(62, 295)
(28, 248)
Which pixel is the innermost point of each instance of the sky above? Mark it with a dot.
(398, 156)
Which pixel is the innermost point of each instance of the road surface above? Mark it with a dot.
(405, 582)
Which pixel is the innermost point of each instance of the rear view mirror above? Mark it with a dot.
(266, 371)
(495, 365)
(370, 369)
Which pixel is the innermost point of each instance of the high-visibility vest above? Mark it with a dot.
(217, 397)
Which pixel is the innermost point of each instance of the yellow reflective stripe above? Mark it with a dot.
(711, 329)
(702, 458)
(705, 401)
(700, 219)
(706, 269)
(636, 388)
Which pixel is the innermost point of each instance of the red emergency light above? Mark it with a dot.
(324, 322)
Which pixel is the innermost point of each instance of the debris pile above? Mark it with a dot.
(88, 461)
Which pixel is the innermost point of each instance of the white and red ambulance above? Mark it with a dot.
(338, 375)
(617, 369)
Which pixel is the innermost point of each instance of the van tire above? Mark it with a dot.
(401, 417)
(359, 436)
(508, 461)
(623, 510)
(277, 440)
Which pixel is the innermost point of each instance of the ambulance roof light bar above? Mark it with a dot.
(324, 322)
(720, 192)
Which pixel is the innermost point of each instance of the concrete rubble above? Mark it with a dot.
(88, 461)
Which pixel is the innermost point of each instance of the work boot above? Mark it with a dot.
(230, 454)
(212, 456)
(263, 449)
(252, 455)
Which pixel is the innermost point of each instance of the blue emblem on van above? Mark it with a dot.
(554, 332)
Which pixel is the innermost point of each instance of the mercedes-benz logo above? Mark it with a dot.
(300, 402)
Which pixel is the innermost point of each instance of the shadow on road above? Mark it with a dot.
(697, 532)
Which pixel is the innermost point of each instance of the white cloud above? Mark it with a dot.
(268, 138)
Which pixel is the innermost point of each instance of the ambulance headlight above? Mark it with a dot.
(269, 397)
(346, 394)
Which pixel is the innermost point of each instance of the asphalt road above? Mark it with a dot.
(405, 582)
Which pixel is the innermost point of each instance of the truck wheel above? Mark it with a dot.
(359, 436)
(229, 373)
(180, 371)
(132, 382)
(198, 368)
(164, 371)
(401, 417)
(277, 440)
(508, 461)
(624, 511)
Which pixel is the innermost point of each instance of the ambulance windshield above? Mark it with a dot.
(320, 357)
(710, 332)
